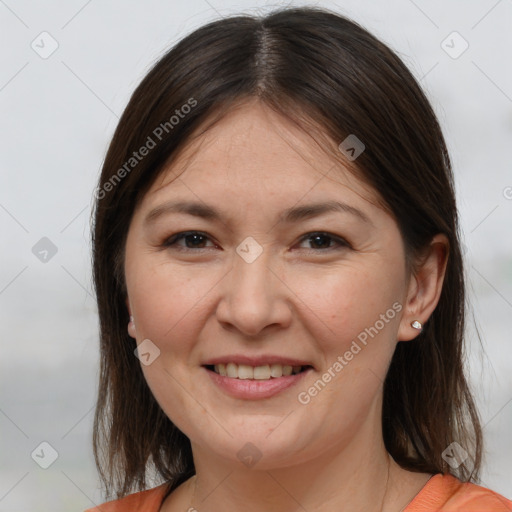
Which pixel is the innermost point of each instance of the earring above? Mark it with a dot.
(417, 325)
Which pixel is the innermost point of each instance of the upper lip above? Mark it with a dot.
(261, 360)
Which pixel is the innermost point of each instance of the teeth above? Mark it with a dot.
(276, 370)
(245, 372)
(262, 372)
(232, 370)
(265, 372)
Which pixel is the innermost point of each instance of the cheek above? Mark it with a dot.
(169, 305)
(345, 303)
(164, 298)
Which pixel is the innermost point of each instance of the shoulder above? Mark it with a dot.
(147, 501)
(445, 493)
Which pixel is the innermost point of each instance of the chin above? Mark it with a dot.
(255, 444)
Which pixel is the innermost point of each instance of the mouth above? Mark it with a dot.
(259, 373)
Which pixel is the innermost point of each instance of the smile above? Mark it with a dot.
(255, 382)
(264, 372)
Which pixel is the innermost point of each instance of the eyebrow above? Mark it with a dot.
(290, 215)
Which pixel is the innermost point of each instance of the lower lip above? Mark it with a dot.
(252, 389)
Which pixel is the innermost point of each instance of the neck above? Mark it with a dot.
(359, 475)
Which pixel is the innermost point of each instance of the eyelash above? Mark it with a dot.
(171, 241)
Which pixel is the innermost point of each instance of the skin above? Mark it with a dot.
(297, 298)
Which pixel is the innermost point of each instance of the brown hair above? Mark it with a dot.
(320, 69)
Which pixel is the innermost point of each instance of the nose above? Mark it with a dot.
(254, 297)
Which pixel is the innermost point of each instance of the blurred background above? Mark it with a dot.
(67, 71)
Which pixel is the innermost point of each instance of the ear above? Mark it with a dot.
(424, 287)
(131, 323)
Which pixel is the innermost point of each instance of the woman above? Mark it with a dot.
(280, 283)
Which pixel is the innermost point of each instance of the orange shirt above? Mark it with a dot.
(445, 493)
(442, 493)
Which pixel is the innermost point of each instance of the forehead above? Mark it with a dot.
(253, 149)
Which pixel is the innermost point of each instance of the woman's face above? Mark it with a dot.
(260, 282)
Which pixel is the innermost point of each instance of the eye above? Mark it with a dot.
(322, 239)
(193, 240)
(198, 240)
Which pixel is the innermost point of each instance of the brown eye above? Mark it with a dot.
(192, 240)
(323, 241)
